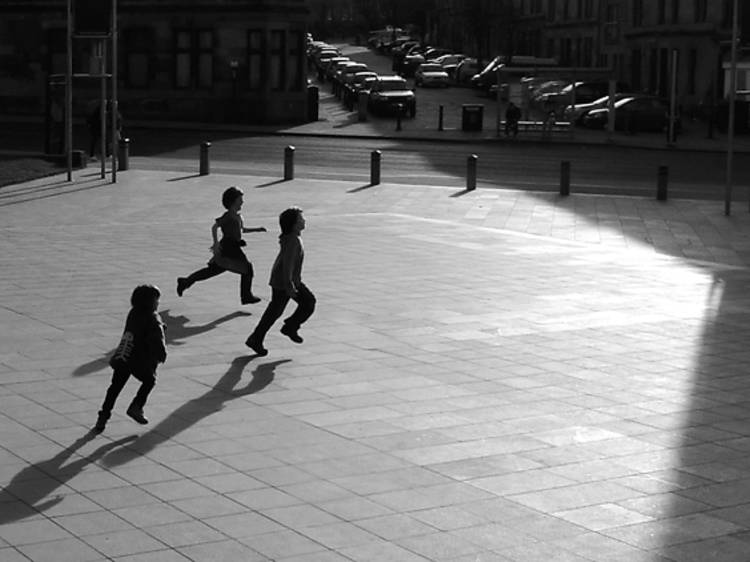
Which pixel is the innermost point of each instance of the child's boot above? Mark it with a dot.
(101, 422)
(137, 414)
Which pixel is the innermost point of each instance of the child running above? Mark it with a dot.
(142, 347)
(286, 283)
(228, 254)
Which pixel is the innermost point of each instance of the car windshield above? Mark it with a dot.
(393, 85)
(431, 68)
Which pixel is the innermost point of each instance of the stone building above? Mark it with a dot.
(239, 61)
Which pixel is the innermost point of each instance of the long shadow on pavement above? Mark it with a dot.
(177, 330)
(198, 408)
(37, 481)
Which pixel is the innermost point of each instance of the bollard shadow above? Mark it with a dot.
(198, 408)
(362, 187)
(461, 193)
(191, 176)
(176, 331)
(32, 489)
(270, 183)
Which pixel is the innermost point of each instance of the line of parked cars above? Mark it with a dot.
(353, 81)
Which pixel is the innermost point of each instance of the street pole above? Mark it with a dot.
(672, 100)
(730, 125)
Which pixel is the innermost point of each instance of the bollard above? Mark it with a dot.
(661, 183)
(204, 164)
(471, 172)
(289, 163)
(399, 113)
(123, 154)
(375, 167)
(564, 178)
(440, 118)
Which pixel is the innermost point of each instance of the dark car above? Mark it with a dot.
(641, 113)
(390, 94)
(579, 92)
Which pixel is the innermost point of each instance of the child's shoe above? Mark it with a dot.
(101, 423)
(256, 346)
(137, 415)
(291, 334)
(182, 284)
(252, 299)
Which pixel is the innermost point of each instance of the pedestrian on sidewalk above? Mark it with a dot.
(512, 117)
(286, 283)
(142, 347)
(228, 254)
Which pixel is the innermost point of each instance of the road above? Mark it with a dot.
(594, 169)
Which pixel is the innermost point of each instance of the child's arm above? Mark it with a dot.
(288, 261)
(254, 229)
(158, 341)
(215, 237)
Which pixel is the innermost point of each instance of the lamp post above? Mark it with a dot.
(730, 125)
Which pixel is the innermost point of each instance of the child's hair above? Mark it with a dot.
(288, 218)
(230, 195)
(143, 297)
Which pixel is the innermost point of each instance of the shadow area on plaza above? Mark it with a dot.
(198, 408)
(33, 485)
(176, 330)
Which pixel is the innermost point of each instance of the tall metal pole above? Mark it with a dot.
(732, 96)
(69, 93)
(115, 106)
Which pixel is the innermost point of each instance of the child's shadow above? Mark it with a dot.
(28, 485)
(176, 330)
(192, 412)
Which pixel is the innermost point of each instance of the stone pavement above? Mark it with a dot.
(489, 376)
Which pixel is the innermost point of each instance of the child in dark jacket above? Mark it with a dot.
(141, 348)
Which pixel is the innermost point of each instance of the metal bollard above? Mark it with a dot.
(204, 164)
(471, 172)
(375, 167)
(440, 119)
(564, 178)
(123, 154)
(289, 163)
(661, 183)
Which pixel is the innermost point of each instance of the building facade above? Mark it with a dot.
(239, 61)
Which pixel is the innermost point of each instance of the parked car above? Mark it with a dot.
(465, 70)
(641, 113)
(450, 62)
(431, 74)
(390, 94)
(576, 113)
(334, 65)
(360, 82)
(579, 92)
(347, 70)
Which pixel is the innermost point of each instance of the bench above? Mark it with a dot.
(539, 126)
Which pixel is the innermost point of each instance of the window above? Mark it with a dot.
(700, 11)
(138, 43)
(277, 59)
(692, 66)
(727, 14)
(551, 10)
(566, 9)
(637, 13)
(255, 59)
(675, 11)
(57, 50)
(194, 59)
(295, 68)
(661, 8)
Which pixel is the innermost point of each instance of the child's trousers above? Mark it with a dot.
(119, 378)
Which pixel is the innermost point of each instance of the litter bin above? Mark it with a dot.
(313, 95)
(471, 117)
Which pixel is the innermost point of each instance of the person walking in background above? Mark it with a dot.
(141, 348)
(512, 117)
(228, 254)
(286, 283)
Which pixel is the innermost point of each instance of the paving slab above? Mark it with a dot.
(474, 385)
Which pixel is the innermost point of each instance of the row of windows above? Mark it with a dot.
(273, 59)
(667, 11)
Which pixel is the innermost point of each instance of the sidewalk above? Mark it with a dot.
(489, 376)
